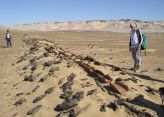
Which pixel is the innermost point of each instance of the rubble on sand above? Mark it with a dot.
(47, 58)
(48, 91)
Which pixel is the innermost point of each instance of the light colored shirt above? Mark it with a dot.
(8, 35)
(134, 39)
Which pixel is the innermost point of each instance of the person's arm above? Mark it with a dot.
(10, 35)
(6, 36)
(139, 35)
(141, 38)
(129, 44)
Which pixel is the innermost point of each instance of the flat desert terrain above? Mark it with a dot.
(79, 73)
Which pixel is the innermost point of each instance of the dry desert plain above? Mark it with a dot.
(19, 96)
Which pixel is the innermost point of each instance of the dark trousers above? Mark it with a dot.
(8, 40)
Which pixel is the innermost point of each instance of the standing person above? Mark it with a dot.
(135, 46)
(8, 38)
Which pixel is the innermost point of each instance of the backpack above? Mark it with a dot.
(144, 42)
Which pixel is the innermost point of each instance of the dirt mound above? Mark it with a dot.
(58, 82)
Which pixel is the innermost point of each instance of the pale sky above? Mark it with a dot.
(30, 11)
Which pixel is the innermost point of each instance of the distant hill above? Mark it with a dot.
(95, 25)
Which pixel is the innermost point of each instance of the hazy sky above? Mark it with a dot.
(29, 11)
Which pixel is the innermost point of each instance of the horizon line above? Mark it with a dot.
(40, 22)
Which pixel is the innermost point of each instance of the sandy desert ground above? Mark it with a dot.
(19, 95)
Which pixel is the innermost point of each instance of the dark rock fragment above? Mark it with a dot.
(28, 93)
(15, 115)
(51, 71)
(33, 60)
(34, 110)
(49, 90)
(69, 83)
(26, 67)
(151, 90)
(103, 108)
(60, 82)
(84, 79)
(66, 105)
(116, 105)
(66, 95)
(70, 64)
(90, 92)
(70, 113)
(18, 94)
(71, 76)
(34, 67)
(22, 58)
(97, 63)
(33, 49)
(20, 102)
(29, 78)
(99, 72)
(78, 95)
(89, 58)
(49, 49)
(114, 68)
(43, 78)
(159, 69)
(39, 98)
(48, 63)
(46, 54)
(123, 73)
(36, 88)
(119, 79)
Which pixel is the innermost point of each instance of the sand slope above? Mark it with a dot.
(14, 87)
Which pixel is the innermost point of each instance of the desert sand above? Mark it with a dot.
(35, 70)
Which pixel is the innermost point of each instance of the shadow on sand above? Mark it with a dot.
(141, 101)
(138, 75)
(3, 47)
(148, 78)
